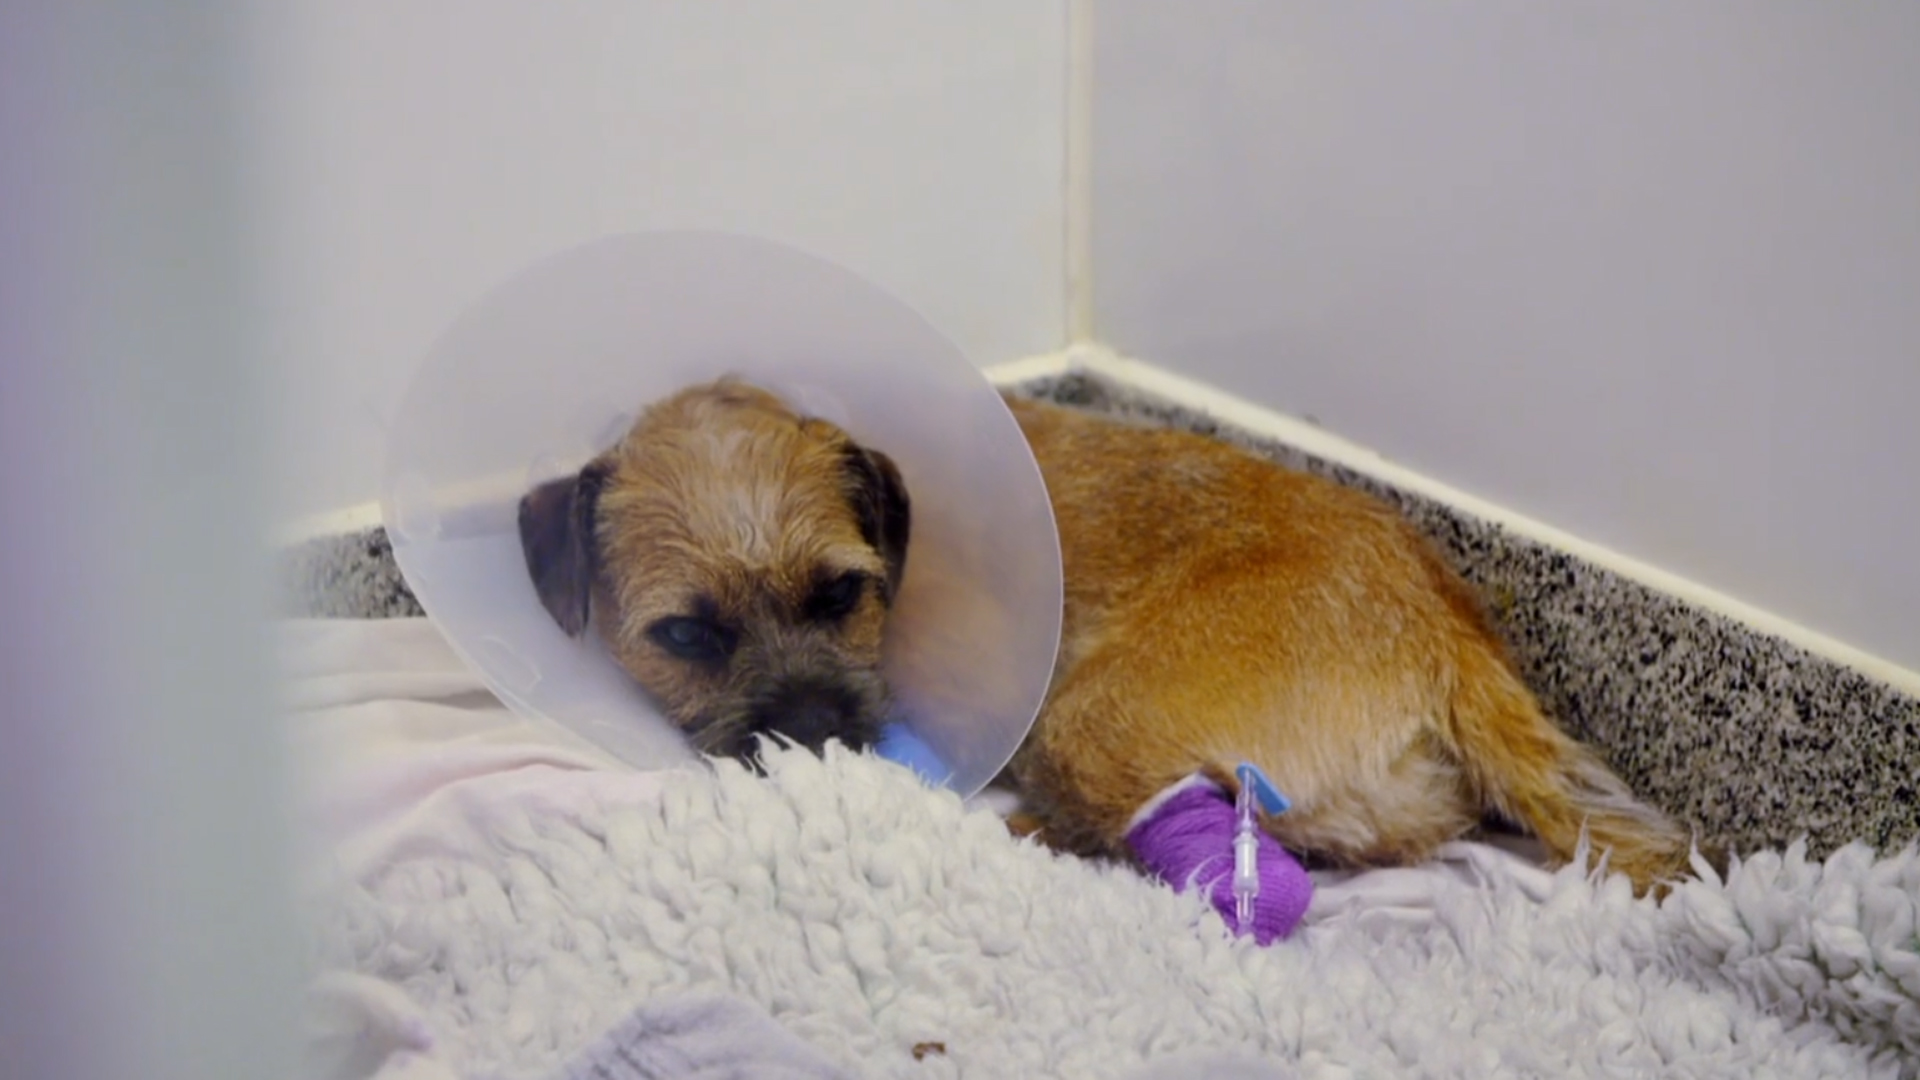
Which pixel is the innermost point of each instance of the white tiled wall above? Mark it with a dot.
(413, 155)
(1644, 272)
(1650, 273)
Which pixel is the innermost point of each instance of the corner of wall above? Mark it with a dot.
(1077, 145)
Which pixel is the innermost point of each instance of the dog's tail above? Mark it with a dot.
(1535, 775)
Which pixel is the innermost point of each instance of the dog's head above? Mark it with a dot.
(738, 559)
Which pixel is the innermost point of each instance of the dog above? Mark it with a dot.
(740, 559)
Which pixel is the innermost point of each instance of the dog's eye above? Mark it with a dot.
(692, 639)
(835, 598)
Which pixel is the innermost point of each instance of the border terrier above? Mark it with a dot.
(739, 559)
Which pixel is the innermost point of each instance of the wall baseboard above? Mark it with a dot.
(367, 515)
(1264, 422)
(1316, 441)
(331, 523)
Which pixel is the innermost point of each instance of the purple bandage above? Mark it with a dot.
(1187, 841)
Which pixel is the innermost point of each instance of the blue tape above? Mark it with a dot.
(1271, 801)
(901, 746)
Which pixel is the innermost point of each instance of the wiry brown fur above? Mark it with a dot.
(722, 505)
(1219, 608)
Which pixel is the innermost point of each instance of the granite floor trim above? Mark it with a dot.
(1747, 737)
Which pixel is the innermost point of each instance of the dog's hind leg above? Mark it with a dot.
(1102, 748)
(1534, 774)
(1122, 726)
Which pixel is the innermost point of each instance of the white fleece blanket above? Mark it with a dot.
(493, 899)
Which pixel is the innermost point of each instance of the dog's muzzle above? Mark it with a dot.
(812, 713)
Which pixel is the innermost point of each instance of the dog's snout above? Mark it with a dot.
(810, 714)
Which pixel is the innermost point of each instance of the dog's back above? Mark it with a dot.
(1221, 608)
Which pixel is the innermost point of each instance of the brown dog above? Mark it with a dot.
(740, 560)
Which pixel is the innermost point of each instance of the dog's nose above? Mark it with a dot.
(809, 715)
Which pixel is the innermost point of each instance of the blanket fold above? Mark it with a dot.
(700, 1037)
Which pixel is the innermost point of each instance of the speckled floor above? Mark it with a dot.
(1750, 739)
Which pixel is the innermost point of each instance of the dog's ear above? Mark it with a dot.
(557, 538)
(881, 505)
